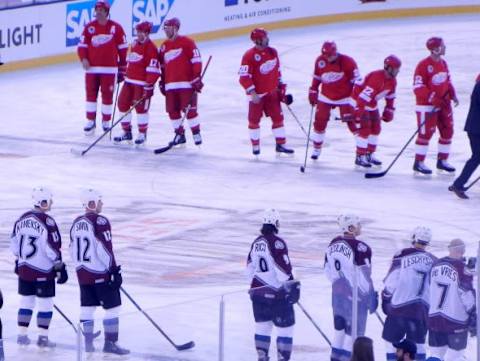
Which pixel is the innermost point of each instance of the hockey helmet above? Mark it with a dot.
(434, 43)
(102, 4)
(258, 34)
(271, 216)
(329, 48)
(346, 221)
(91, 195)
(173, 22)
(144, 27)
(422, 235)
(392, 61)
(40, 195)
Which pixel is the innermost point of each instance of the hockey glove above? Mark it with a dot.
(161, 86)
(388, 113)
(292, 291)
(372, 307)
(312, 96)
(15, 269)
(61, 273)
(287, 99)
(472, 323)
(121, 74)
(197, 85)
(148, 91)
(386, 302)
(115, 278)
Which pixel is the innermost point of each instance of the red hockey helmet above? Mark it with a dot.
(258, 34)
(102, 4)
(392, 61)
(434, 43)
(173, 22)
(144, 27)
(329, 48)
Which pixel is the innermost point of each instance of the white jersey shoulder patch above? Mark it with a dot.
(362, 247)
(50, 222)
(102, 221)
(279, 244)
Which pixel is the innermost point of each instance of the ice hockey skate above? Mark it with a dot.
(282, 149)
(419, 167)
(23, 340)
(256, 150)
(443, 165)
(197, 138)
(89, 127)
(141, 139)
(361, 162)
(374, 161)
(114, 348)
(316, 153)
(106, 126)
(44, 342)
(179, 139)
(459, 192)
(126, 137)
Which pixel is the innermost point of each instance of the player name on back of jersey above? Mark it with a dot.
(445, 270)
(29, 223)
(342, 248)
(416, 259)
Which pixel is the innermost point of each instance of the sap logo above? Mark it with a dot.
(237, 2)
(78, 15)
(154, 11)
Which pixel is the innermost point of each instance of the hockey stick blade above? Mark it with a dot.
(186, 346)
(163, 149)
(77, 152)
(375, 175)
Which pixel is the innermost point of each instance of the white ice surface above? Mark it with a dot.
(183, 221)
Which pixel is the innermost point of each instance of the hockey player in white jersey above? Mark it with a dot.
(272, 290)
(98, 274)
(452, 311)
(405, 298)
(36, 243)
(345, 256)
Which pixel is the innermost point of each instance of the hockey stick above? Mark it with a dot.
(85, 151)
(380, 318)
(471, 184)
(381, 174)
(114, 109)
(302, 168)
(185, 346)
(296, 119)
(187, 109)
(95, 335)
(314, 323)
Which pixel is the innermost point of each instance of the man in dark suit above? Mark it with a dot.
(472, 127)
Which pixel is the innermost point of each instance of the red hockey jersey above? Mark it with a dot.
(142, 67)
(180, 62)
(260, 70)
(104, 46)
(376, 86)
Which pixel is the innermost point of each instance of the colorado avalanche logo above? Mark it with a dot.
(430, 69)
(91, 29)
(439, 78)
(268, 66)
(172, 54)
(101, 39)
(257, 57)
(134, 57)
(321, 64)
(50, 222)
(331, 77)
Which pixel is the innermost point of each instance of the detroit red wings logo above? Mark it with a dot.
(268, 66)
(101, 39)
(331, 77)
(173, 54)
(134, 57)
(439, 78)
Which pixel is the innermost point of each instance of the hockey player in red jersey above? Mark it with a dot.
(142, 73)
(180, 81)
(261, 78)
(377, 85)
(102, 51)
(336, 73)
(434, 94)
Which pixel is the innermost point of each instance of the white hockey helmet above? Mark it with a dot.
(41, 194)
(422, 235)
(271, 216)
(345, 221)
(91, 195)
